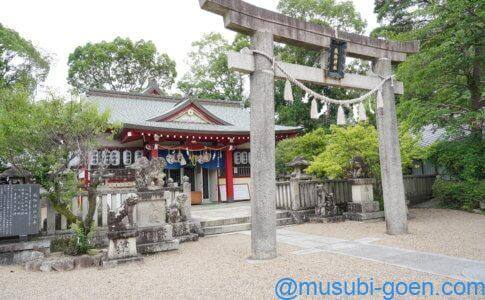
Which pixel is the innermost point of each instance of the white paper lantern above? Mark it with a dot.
(115, 158)
(237, 158)
(138, 155)
(127, 157)
(244, 158)
(94, 157)
(105, 157)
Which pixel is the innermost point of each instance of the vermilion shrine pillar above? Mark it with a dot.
(229, 175)
(263, 177)
(154, 151)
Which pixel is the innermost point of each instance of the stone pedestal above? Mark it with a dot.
(363, 207)
(21, 252)
(181, 231)
(154, 234)
(122, 248)
(156, 239)
(327, 219)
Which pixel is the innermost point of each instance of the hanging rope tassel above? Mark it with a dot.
(340, 116)
(362, 114)
(355, 112)
(305, 98)
(288, 94)
(370, 107)
(380, 100)
(324, 109)
(314, 110)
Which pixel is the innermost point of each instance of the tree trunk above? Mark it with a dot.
(475, 88)
(88, 222)
(62, 208)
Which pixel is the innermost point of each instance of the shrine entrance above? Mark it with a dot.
(266, 27)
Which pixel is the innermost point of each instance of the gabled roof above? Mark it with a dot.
(154, 112)
(152, 89)
(192, 109)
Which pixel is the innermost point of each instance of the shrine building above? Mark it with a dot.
(206, 140)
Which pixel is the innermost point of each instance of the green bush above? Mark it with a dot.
(60, 244)
(75, 245)
(463, 159)
(307, 146)
(459, 194)
(345, 143)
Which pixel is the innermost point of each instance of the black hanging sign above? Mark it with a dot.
(336, 59)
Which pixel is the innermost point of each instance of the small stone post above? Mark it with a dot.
(187, 189)
(263, 181)
(51, 218)
(390, 155)
(295, 191)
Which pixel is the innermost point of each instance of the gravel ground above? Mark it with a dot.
(443, 231)
(216, 267)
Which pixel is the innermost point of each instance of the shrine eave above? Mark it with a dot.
(225, 132)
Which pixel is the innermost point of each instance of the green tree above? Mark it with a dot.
(307, 146)
(335, 14)
(120, 65)
(209, 76)
(20, 62)
(346, 144)
(444, 84)
(51, 139)
(443, 81)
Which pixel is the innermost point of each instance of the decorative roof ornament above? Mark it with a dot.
(153, 89)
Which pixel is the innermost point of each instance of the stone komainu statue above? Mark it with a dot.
(116, 222)
(359, 168)
(177, 211)
(149, 173)
(326, 205)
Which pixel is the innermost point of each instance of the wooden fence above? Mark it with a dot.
(417, 189)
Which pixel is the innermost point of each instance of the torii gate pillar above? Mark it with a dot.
(390, 156)
(263, 182)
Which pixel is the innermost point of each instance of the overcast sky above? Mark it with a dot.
(59, 26)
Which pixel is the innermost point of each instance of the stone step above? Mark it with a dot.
(224, 222)
(227, 228)
(284, 221)
(231, 221)
(210, 230)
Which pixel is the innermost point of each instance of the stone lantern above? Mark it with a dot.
(299, 164)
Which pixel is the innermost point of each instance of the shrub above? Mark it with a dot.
(80, 243)
(307, 146)
(346, 143)
(459, 194)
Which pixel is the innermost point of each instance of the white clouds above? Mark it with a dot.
(58, 26)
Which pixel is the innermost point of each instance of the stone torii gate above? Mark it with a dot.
(265, 27)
